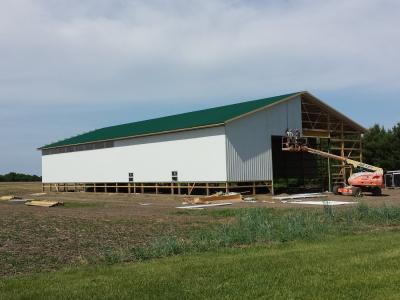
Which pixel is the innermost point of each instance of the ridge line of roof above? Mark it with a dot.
(227, 106)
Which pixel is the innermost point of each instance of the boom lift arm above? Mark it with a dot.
(371, 181)
(354, 163)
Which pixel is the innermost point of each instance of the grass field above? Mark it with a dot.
(141, 246)
(364, 266)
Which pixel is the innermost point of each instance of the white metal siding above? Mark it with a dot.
(197, 155)
(248, 140)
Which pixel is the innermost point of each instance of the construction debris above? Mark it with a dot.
(216, 197)
(43, 203)
(249, 199)
(8, 198)
(324, 203)
(38, 194)
(201, 206)
(300, 196)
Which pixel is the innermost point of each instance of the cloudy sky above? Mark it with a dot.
(69, 66)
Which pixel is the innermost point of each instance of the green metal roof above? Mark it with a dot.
(200, 118)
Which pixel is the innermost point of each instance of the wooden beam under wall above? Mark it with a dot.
(191, 189)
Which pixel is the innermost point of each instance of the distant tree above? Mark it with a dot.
(19, 177)
(381, 147)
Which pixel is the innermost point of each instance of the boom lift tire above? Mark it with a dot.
(335, 190)
(376, 191)
(356, 191)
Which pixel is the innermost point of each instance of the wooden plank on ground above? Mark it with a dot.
(43, 203)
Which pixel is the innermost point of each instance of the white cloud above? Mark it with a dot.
(93, 51)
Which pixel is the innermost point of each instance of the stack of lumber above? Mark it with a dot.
(43, 203)
(7, 198)
(217, 197)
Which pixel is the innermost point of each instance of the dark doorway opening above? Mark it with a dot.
(298, 172)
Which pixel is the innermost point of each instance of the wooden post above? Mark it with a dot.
(342, 153)
(105, 187)
(207, 189)
(142, 188)
(226, 187)
(179, 188)
(172, 188)
(134, 188)
(94, 188)
(329, 151)
(129, 188)
(156, 188)
(254, 187)
(116, 187)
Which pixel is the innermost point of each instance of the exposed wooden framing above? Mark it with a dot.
(186, 188)
(191, 189)
(343, 136)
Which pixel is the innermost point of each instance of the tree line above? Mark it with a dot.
(19, 177)
(381, 147)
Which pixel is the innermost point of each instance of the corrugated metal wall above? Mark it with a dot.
(248, 140)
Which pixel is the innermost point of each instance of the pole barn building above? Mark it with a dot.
(227, 148)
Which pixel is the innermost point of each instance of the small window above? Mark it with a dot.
(174, 175)
(130, 174)
(130, 177)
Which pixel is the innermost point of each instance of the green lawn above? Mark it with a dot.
(364, 266)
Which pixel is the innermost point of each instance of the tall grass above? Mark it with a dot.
(257, 225)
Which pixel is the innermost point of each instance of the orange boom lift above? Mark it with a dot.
(370, 180)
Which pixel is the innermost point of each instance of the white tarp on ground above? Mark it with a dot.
(300, 196)
(329, 203)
